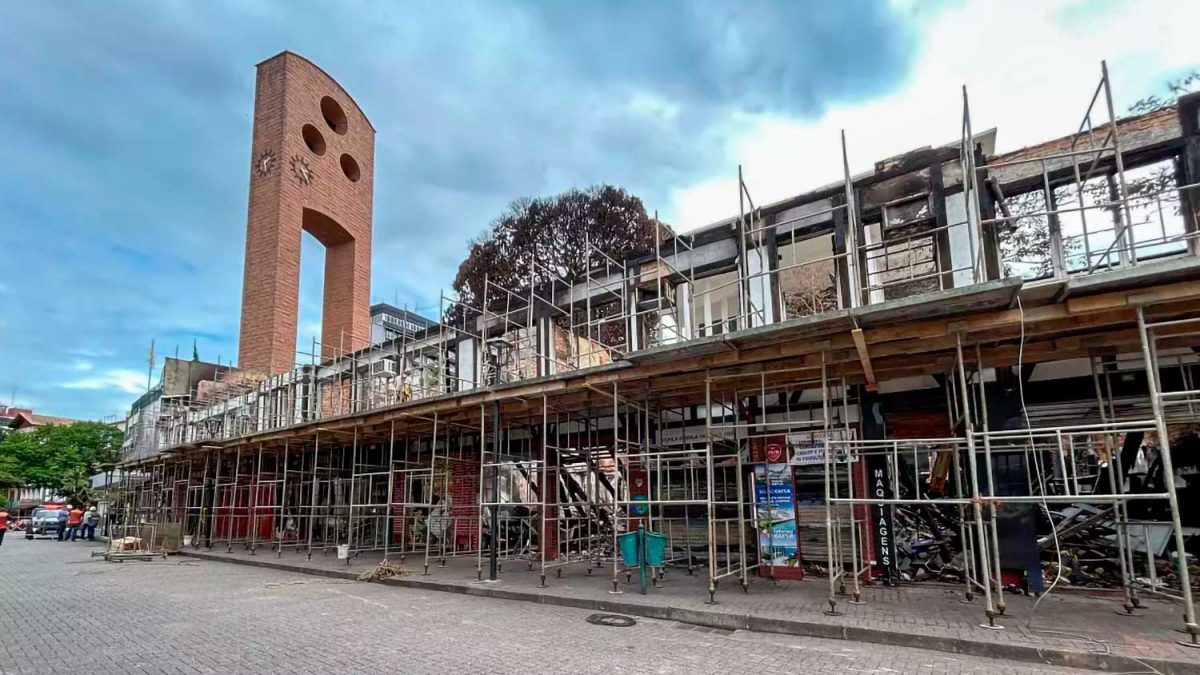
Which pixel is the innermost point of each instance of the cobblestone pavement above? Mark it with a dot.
(1082, 624)
(63, 611)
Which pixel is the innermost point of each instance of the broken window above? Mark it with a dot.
(1156, 220)
(1085, 217)
(807, 276)
(900, 262)
(1025, 236)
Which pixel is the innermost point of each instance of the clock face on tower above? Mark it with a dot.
(302, 171)
(264, 164)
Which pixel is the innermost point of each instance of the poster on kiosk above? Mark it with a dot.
(775, 511)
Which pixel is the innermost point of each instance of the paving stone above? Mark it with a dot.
(1068, 627)
(65, 612)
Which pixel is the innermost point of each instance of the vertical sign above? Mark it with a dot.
(879, 486)
(775, 516)
(639, 495)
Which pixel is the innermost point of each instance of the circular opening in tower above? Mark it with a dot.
(313, 139)
(350, 168)
(334, 116)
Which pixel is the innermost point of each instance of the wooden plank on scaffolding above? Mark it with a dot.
(1162, 272)
(917, 340)
(1184, 290)
(1173, 293)
(864, 357)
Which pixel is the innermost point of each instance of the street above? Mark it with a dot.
(63, 611)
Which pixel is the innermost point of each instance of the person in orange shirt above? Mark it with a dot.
(3, 524)
(74, 518)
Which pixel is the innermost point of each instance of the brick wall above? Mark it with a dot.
(464, 496)
(398, 497)
(296, 188)
(336, 398)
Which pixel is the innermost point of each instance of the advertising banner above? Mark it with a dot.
(807, 452)
(775, 516)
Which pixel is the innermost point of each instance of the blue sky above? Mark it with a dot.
(126, 136)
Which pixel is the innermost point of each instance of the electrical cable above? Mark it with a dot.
(1041, 477)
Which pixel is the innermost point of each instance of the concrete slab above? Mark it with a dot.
(989, 295)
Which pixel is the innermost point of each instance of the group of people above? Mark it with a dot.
(73, 522)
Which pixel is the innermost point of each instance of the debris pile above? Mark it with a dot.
(384, 570)
(1079, 541)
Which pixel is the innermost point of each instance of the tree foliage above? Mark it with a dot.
(61, 458)
(1161, 101)
(536, 240)
(1025, 240)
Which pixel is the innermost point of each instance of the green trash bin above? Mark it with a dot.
(629, 548)
(656, 548)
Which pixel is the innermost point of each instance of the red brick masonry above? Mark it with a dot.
(312, 169)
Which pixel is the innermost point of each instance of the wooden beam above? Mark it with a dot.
(864, 356)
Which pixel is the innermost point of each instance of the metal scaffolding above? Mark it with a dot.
(504, 466)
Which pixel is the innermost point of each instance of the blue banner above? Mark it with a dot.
(775, 514)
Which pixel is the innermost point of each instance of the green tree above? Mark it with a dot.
(10, 473)
(61, 458)
(26, 452)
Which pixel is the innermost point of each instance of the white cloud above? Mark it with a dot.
(115, 379)
(1030, 68)
(89, 353)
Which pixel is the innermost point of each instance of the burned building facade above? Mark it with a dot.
(940, 369)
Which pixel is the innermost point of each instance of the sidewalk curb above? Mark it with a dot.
(730, 621)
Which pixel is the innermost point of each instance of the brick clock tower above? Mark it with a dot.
(313, 165)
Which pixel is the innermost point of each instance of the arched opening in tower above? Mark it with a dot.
(339, 332)
(308, 320)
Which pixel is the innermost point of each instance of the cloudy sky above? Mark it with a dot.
(125, 134)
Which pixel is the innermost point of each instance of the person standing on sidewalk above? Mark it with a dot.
(62, 522)
(3, 524)
(90, 520)
(74, 518)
